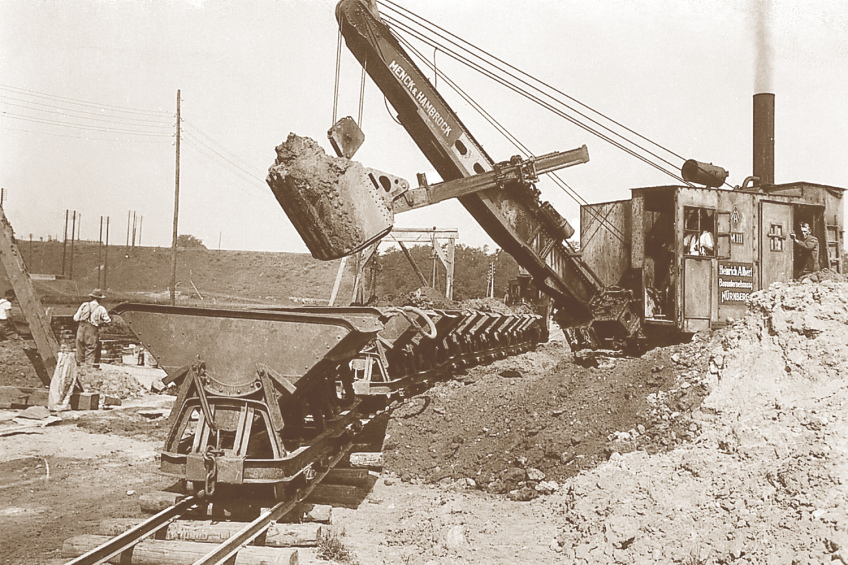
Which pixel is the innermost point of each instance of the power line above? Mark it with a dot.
(55, 113)
(250, 180)
(56, 134)
(25, 91)
(159, 122)
(244, 170)
(24, 117)
(194, 129)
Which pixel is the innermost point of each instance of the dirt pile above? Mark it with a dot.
(110, 381)
(15, 367)
(728, 449)
(765, 480)
(531, 421)
(487, 305)
(427, 298)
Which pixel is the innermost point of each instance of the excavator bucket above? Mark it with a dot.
(337, 206)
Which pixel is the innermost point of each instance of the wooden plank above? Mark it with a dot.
(22, 397)
(16, 273)
(338, 495)
(278, 535)
(155, 552)
(352, 477)
(370, 460)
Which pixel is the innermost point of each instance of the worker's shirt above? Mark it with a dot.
(810, 248)
(93, 313)
(699, 244)
(5, 309)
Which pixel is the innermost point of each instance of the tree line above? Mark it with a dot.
(394, 276)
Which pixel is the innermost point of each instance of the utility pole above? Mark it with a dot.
(176, 210)
(73, 237)
(135, 219)
(106, 255)
(129, 213)
(2, 196)
(140, 221)
(100, 254)
(64, 241)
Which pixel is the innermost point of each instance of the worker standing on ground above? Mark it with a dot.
(808, 250)
(7, 326)
(91, 317)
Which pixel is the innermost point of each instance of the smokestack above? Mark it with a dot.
(764, 137)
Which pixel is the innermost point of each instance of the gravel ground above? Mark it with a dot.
(730, 449)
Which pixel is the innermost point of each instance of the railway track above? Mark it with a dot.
(271, 400)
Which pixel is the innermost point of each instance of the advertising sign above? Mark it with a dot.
(735, 282)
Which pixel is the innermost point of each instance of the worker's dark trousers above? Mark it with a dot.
(7, 330)
(88, 344)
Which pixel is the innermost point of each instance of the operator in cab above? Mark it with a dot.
(807, 249)
(91, 316)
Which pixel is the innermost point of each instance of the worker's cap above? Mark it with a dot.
(96, 293)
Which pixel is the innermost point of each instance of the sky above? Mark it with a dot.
(88, 93)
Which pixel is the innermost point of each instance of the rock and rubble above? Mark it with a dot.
(766, 480)
(729, 449)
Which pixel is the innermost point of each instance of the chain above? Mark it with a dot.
(211, 465)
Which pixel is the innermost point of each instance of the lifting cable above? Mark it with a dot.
(447, 36)
(517, 143)
(545, 104)
(338, 72)
(361, 94)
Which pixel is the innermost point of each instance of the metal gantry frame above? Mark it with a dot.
(436, 237)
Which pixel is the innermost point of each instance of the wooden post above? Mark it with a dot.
(100, 255)
(336, 284)
(106, 255)
(73, 238)
(64, 242)
(450, 268)
(415, 268)
(16, 273)
(176, 211)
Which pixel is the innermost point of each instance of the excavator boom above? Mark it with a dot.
(516, 220)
